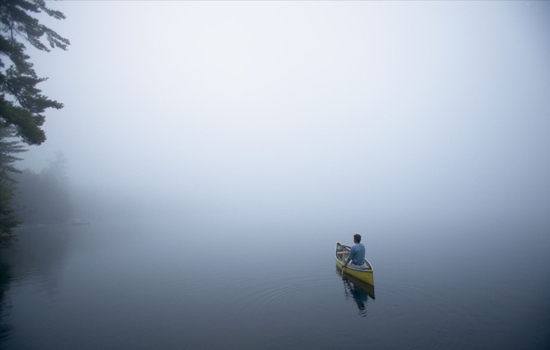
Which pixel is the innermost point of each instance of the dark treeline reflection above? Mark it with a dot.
(5, 278)
(37, 253)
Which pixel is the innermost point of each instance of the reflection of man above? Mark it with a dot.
(356, 254)
(359, 296)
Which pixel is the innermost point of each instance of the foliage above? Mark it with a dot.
(21, 102)
(7, 217)
(9, 147)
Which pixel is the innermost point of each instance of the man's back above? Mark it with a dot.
(357, 254)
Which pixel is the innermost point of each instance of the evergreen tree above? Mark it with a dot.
(9, 147)
(7, 215)
(57, 168)
(21, 102)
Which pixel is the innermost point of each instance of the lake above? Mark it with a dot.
(242, 283)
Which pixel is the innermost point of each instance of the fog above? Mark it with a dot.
(352, 112)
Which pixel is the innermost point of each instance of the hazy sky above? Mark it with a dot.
(393, 108)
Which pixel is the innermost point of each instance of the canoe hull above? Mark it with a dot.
(363, 275)
(364, 286)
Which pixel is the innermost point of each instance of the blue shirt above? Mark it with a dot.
(357, 254)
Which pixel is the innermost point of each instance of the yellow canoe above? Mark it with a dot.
(365, 275)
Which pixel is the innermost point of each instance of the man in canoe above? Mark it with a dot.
(356, 254)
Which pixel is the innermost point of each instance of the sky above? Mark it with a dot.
(438, 110)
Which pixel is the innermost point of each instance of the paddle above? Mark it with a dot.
(343, 254)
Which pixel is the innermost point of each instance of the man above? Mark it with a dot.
(356, 254)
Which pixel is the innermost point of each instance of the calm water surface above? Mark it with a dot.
(241, 284)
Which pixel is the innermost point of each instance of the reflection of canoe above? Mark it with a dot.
(342, 252)
(364, 286)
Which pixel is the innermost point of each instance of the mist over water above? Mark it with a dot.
(219, 150)
(420, 110)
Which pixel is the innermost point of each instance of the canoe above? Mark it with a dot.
(365, 275)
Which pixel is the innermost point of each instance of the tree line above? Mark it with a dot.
(22, 108)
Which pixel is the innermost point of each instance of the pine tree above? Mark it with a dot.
(21, 102)
(9, 147)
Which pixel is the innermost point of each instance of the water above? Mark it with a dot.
(245, 284)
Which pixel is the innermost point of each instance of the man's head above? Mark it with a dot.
(357, 238)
